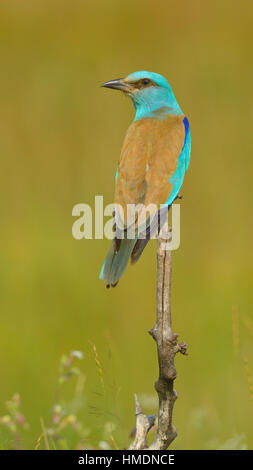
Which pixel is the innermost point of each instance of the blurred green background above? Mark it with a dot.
(60, 137)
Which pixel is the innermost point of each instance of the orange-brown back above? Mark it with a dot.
(149, 157)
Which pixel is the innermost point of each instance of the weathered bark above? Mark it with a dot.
(167, 347)
(143, 425)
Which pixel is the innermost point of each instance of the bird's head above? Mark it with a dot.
(148, 90)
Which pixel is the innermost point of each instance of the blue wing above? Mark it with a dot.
(183, 163)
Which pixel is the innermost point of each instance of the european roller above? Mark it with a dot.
(154, 159)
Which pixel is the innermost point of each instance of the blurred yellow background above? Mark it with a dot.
(60, 137)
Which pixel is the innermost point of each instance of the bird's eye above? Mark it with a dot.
(145, 81)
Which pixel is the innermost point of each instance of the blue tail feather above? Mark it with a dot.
(116, 262)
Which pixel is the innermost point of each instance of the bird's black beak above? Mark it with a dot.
(118, 84)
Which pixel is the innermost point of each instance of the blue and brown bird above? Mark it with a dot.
(154, 159)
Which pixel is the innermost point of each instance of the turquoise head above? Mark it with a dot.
(149, 92)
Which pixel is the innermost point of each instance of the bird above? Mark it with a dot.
(154, 159)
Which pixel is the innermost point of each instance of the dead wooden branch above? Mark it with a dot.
(167, 348)
(143, 425)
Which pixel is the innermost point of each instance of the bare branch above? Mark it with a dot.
(167, 348)
(143, 425)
